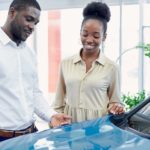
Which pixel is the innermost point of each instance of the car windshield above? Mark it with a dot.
(146, 110)
(137, 120)
(140, 121)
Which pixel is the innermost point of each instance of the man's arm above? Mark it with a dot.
(43, 110)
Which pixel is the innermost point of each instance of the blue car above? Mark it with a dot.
(129, 131)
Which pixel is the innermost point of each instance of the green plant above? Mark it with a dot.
(132, 100)
(146, 48)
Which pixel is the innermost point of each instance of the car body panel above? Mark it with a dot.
(98, 134)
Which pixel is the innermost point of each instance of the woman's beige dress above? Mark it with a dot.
(85, 96)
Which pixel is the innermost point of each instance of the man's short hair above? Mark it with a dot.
(23, 4)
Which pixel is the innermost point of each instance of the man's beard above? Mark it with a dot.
(16, 32)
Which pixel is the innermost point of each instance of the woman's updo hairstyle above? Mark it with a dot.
(99, 11)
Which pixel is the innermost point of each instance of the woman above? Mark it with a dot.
(88, 86)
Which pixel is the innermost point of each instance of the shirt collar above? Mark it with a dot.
(4, 38)
(77, 58)
(101, 59)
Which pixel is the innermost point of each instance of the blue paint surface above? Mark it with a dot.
(99, 134)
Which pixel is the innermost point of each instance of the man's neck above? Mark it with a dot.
(11, 36)
(17, 42)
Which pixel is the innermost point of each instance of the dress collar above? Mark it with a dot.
(101, 59)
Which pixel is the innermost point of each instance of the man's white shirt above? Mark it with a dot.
(20, 96)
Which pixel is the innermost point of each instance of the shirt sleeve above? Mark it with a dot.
(41, 106)
(59, 102)
(114, 88)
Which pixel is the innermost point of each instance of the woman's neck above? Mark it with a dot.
(90, 55)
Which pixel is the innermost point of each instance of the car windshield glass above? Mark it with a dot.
(146, 110)
(140, 121)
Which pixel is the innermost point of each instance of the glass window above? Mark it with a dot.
(130, 38)
(111, 45)
(146, 40)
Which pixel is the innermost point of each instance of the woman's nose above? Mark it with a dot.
(89, 39)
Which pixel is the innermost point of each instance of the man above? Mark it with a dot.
(20, 96)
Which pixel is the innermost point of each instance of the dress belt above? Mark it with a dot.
(15, 133)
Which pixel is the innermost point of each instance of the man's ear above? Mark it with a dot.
(12, 12)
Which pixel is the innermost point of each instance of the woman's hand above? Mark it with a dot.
(116, 108)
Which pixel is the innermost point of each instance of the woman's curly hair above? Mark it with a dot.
(99, 11)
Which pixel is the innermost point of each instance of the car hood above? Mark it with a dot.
(98, 134)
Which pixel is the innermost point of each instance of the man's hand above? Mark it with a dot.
(116, 108)
(59, 119)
